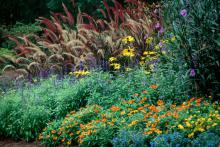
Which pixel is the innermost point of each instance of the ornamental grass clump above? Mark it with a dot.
(122, 32)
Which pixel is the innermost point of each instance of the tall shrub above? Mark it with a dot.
(195, 24)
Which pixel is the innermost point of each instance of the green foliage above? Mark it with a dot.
(18, 29)
(172, 78)
(22, 10)
(195, 23)
(87, 6)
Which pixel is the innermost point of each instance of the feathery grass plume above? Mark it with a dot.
(93, 40)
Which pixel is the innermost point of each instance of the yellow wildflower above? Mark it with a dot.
(180, 127)
(142, 63)
(80, 73)
(188, 124)
(128, 69)
(112, 59)
(190, 135)
(116, 66)
(156, 47)
(165, 41)
(149, 53)
(128, 39)
(69, 142)
(123, 113)
(173, 38)
(215, 124)
(149, 40)
(128, 52)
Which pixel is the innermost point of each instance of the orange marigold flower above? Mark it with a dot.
(58, 133)
(160, 102)
(158, 131)
(82, 126)
(153, 108)
(53, 131)
(61, 129)
(168, 113)
(143, 100)
(104, 120)
(176, 115)
(153, 86)
(140, 108)
(146, 105)
(148, 133)
(131, 101)
(54, 138)
(115, 108)
(71, 134)
(173, 106)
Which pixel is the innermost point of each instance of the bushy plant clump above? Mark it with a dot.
(139, 120)
(196, 26)
(58, 97)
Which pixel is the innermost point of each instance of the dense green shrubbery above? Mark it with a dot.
(196, 26)
(57, 97)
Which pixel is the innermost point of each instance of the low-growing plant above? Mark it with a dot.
(129, 138)
(140, 115)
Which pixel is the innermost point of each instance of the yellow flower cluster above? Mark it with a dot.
(128, 52)
(80, 73)
(128, 39)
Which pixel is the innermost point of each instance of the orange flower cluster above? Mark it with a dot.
(115, 108)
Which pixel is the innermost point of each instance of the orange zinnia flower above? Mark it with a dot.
(148, 133)
(140, 108)
(53, 131)
(153, 86)
(54, 138)
(131, 101)
(160, 102)
(153, 108)
(82, 126)
(115, 108)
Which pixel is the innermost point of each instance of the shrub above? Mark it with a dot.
(195, 24)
